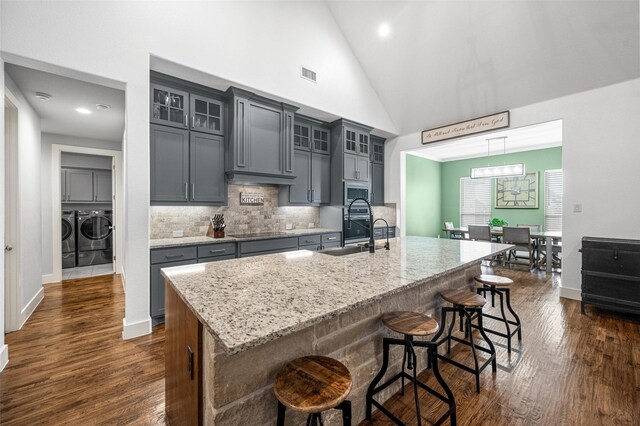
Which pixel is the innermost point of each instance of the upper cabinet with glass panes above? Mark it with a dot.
(321, 140)
(207, 115)
(169, 106)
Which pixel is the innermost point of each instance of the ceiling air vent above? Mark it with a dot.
(308, 74)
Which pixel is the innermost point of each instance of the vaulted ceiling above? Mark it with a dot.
(446, 61)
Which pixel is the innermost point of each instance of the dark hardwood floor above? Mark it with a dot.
(69, 365)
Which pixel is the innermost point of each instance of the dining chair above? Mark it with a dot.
(448, 226)
(479, 232)
(533, 228)
(521, 238)
(536, 242)
(556, 252)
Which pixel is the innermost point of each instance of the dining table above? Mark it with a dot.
(549, 237)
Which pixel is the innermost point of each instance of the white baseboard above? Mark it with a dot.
(123, 280)
(571, 293)
(48, 279)
(31, 306)
(136, 329)
(4, 356)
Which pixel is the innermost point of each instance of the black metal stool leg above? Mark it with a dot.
(433, 354)
(453, 323)
(473, 351)
(493, 296)
(379, 376)
(505, 320)
(345, 406)
(281, 412)
(517, 318)
(412, 354)
(404, 363)
(492, 349)
(461, 318)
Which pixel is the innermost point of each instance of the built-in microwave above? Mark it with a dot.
(354, 190)
(359, 228)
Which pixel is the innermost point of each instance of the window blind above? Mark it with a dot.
(553, 200)
(475, 201)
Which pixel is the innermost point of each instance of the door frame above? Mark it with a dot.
(117, 202)
(12, 287)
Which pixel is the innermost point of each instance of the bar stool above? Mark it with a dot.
(313, 384)
(410, 324)
(466, 303)
(499, 285)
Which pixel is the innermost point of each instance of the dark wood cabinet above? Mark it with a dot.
(183, 363)
(611, 273)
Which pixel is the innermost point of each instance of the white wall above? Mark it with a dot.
(257, 44)
(600, 155)
(29, 190)
(49, 139)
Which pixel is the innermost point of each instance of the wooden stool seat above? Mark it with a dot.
(494, 280)
(410, 323)
(463, 298)
(312, 384)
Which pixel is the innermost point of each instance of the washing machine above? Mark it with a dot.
(68, 239)
(95, 237)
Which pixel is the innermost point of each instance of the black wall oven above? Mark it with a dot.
(360, 226)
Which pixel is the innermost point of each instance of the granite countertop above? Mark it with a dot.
(186, 241)
(247, 302)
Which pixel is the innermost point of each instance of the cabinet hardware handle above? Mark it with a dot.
(186, 123)
(332, 238)
(312, 198)
(193, 191)
(190, 362)
(217, 251)
(615, 254)
(309, 195)
(186, 191)
(173, 256)
(193, 121)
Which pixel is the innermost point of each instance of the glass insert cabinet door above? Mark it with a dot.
(363, 143)
(301, 136)
(321, 140)
(169, 106)
(378, 153)
(350, 143)
(206, 114)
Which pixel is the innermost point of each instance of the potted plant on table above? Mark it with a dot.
(497, 223)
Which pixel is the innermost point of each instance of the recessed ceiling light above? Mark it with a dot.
(384, 30)
(103, 106)
(43, 96)
(83, 110)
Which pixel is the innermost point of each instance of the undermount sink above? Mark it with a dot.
(343, 251)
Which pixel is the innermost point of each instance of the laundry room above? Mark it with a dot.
(87, 215)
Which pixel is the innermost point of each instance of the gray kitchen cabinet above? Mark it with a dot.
(169, 151)
(321, 140)
(260, 247)
(312, 184)
(102, 191)
(356, 168)
(300, 191)
(157, 288)
(79, 185)
(363, 143)
(301, 136)
(261, 139)
(207, 179)
(169, 106)
(377, 150)
(207, 114)
(320, 179)
(377, 184)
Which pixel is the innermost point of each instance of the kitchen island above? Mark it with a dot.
(230, 325)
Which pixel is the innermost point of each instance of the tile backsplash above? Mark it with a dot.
(193, 220)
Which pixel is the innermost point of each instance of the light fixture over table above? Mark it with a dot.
(516, 169)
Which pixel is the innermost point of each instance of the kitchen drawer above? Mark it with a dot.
(216, 258)
(308, 240)
(261, 253)
(272, 246)
(378, 232)
(212, 250)
(331, 238)
(173, 254)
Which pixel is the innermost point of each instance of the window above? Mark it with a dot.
(553, 200)
(475, 201)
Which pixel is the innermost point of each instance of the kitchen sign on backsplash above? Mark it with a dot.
(465, 128)
(252, 198)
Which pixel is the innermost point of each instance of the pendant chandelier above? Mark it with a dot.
(516, 169)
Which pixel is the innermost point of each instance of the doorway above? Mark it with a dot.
(86, 198)
(12, 274)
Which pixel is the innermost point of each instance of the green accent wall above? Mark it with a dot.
(423, 186)
(430, 184)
